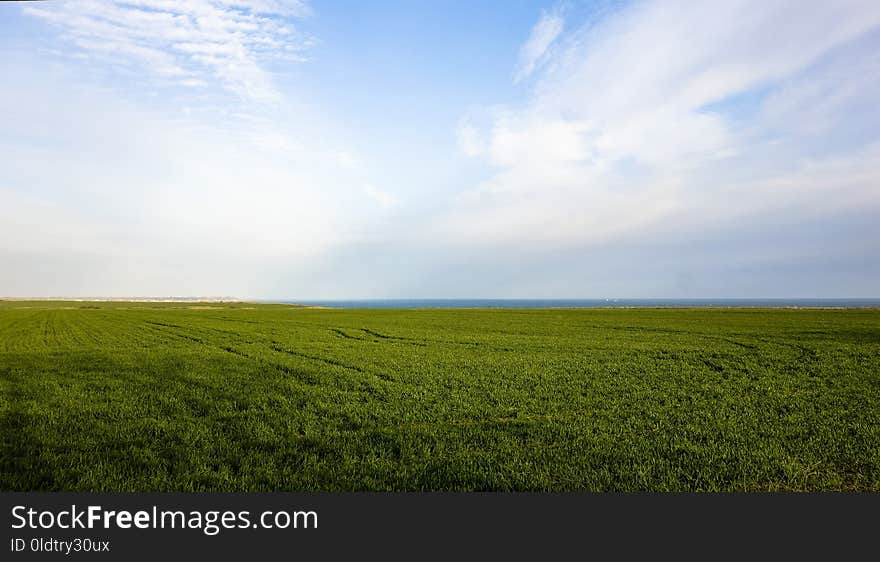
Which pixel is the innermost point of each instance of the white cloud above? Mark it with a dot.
(634, 122)
(382, 198)
(469, 139)
(535, 49)
(222, 41)
(139, 202)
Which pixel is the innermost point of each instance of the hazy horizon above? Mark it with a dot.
(656, 149)
(233, 298)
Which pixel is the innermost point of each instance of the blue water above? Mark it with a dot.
(586, 303)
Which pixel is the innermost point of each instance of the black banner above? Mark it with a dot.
(491, 526)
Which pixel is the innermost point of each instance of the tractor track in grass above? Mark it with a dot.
(271, 344)
(377, 337)
(276, 346)
(806, 353)
(177, 334)
(640, 330)
(342, 334)
(425, 342)
(384, 336)
(285, 369)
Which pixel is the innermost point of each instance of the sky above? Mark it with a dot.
(335, 150)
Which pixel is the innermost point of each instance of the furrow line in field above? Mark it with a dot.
(276, 347)
(106, 330)
(227, 319)
(399, 339)
(637, 330)
(101, 327)
(806, 353)
(299, 375)
(231, 350)
(48, 328)
(17, 333)
(382, 338)
(417, 342)
(237, 334)
(177, 334)
(342, 334)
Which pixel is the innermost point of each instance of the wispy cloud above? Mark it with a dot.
(665, 121)
(641, 116)
(380, 197)
(535, 49)
(193, 43)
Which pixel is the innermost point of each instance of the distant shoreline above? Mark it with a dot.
(694, 307)
(497, 304)
(462, 304)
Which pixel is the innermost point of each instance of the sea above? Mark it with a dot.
(594, 303)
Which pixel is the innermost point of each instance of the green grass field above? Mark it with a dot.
(249, 397)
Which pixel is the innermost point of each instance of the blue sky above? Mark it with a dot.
(277, 149)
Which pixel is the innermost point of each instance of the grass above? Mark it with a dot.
(251, 397)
